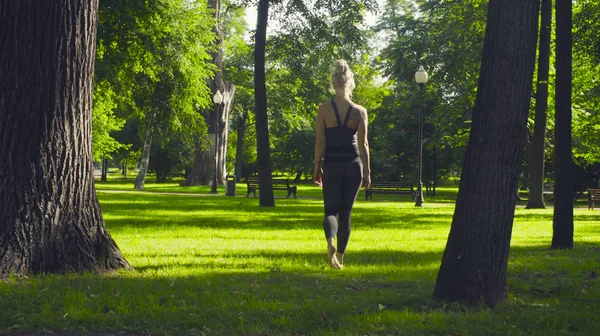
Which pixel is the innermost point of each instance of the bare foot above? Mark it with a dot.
(332, 258)
(340, 258)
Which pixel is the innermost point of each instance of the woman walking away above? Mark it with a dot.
(342, 143)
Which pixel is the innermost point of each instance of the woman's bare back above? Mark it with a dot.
(328, 114)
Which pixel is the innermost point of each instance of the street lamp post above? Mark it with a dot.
(217, 99)
(421, 79)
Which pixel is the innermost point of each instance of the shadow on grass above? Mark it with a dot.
(545, 298)
(236, 303)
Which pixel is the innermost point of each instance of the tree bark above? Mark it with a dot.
(537, 154)
(239, 148)
(104, 170)
(228, 95)
(201, 171)
(140, 179)
(474, 264)
(435, 172)
(125, 167)
(562, 235)
(50, 219)
(260, 96)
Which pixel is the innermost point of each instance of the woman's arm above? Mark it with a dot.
(319, 146)
(363, 148)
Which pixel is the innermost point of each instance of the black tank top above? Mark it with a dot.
(341, 144)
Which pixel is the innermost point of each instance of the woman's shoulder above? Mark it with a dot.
(360, 108)
(325, 104)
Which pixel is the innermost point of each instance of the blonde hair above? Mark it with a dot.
(342, 77)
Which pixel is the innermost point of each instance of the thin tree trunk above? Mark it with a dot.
(434, 171)
(50, 219)
(267, 198)
(537, 154)
(562, 235)
(239, 148)
(474, 264)
(140, 179)
(524, 182)
(104, 170)
(125, 167)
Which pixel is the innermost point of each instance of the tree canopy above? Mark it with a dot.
(142, 45)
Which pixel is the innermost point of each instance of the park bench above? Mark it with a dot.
(593, 196)
(400, 188)
(278, 184)
(548, 192)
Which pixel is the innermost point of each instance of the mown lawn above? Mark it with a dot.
(217, 265)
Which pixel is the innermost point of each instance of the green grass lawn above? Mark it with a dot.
(217, 265)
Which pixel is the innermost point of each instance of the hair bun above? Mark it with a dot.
(342, 77)
(341, 66)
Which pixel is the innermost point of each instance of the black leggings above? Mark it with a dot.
(341, 183)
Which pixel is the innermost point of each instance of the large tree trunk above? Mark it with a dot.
(239, 148)
(260, 96)
(562, 235)
(474, 264)
(537, 154)
(50, 219)
(140, 179)
(203, 167)
(204, 160)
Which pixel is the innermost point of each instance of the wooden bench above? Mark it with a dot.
(278, 184)
(401, 188)
(593, 196)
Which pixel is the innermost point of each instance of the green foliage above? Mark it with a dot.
(586, 119)
(171, 157)
(152, 63)
(104, 122)
(371, 88)
(586, 88)
(586, 24)
(154, 57)
(447, 38)
(300, 55)
(296, 153)
(307, 36)
(238, 64)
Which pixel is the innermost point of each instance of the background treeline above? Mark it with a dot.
(155, 63)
